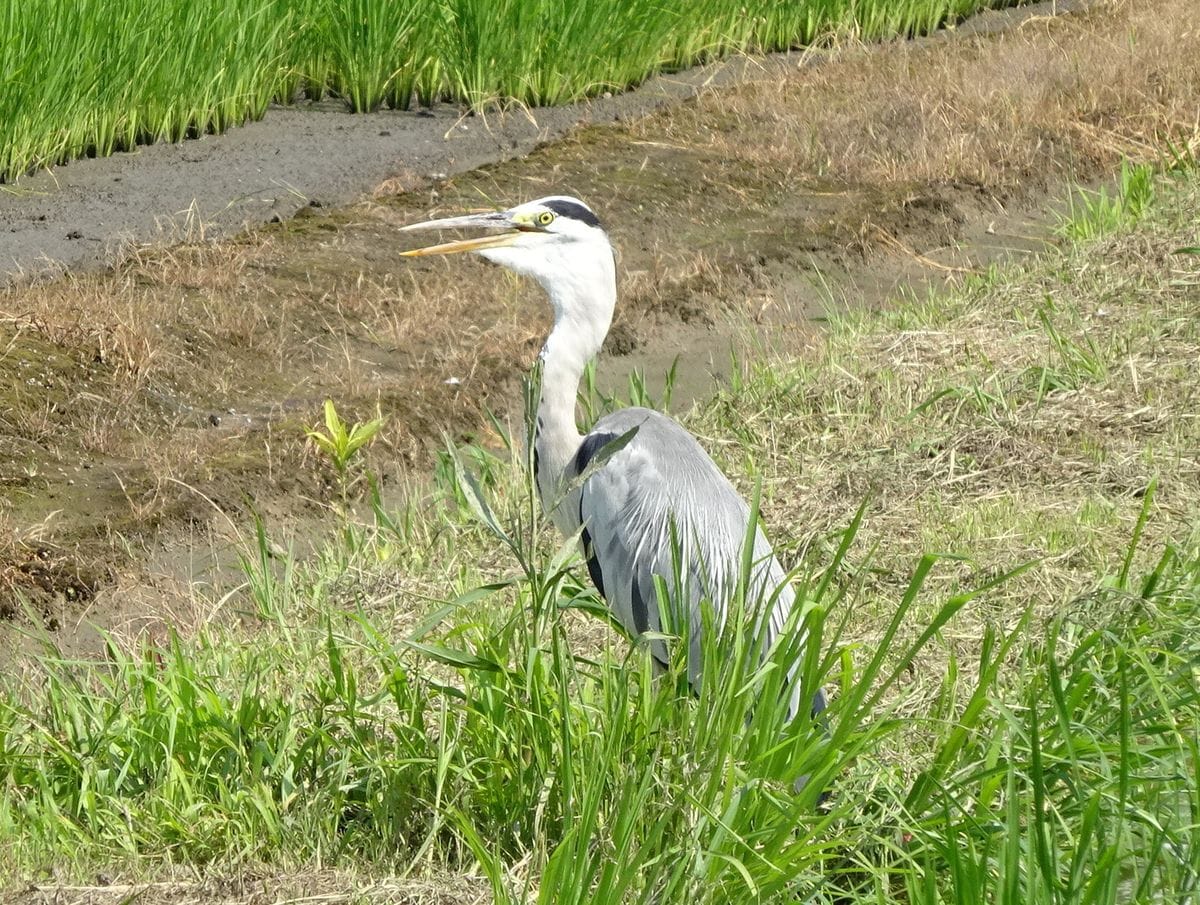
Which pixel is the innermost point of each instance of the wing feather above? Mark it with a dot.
(661, 507)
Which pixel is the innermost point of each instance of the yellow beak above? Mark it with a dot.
(449, 248)
(502, 220)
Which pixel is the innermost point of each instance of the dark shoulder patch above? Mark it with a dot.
(591, 445)
(575, 211)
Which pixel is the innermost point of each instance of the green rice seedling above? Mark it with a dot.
(368, 44)
(139, 73)
(304, 65)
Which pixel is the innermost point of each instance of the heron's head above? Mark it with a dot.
(557, 240)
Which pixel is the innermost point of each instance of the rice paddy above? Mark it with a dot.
(92, 77)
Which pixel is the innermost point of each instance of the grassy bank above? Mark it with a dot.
(990, 498)
(142, 71)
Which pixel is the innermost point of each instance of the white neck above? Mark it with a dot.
(582, 298)
(579, 275)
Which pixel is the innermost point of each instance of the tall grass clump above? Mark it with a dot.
(377, 51)
(1082, 785)
(162, 70)
(1094, 214)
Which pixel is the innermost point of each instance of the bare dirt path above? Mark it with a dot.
(147, 407)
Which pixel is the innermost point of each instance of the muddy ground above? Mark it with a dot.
(151, 406)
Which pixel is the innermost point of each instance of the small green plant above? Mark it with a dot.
(486, 467)
(1075, 363)
(1099, 213)
(270, 576)
(341, 443)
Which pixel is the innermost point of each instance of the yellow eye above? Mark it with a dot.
(545, 218)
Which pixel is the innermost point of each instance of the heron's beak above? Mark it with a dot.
(502, 220)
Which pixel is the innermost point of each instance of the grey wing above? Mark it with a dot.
(661, 507)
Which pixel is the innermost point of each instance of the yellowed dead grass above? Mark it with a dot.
(317, 887)
(1072, 94)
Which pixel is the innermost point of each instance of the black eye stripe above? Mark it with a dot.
(574, 211)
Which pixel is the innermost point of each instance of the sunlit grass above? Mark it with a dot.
(1058, 765)
(165, 69)
(1098, 213)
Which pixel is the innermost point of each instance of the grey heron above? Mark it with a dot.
(658, 505)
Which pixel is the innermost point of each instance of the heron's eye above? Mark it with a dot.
(545, 218)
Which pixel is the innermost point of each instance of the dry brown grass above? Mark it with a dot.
(1057, 96)
(315, 887)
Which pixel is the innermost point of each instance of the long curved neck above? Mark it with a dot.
(583, 306)
(564, 357)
